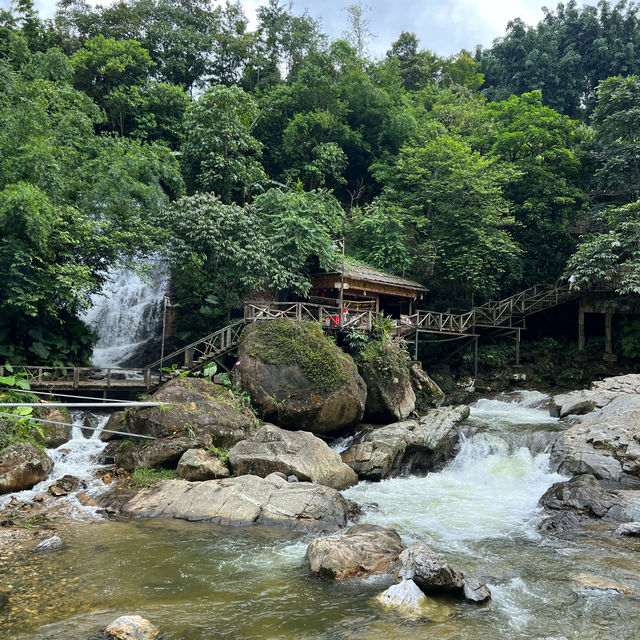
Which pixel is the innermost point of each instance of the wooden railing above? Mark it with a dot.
(87, 377)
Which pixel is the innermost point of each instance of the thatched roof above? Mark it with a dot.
(359, 271)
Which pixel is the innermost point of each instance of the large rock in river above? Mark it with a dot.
(583, 500)
(299, 379)
(297, 453)
(198, 464)
(22, 465)
(362, 550)
(410, 446)
(605, 439)
(196, 414)
(385, 369)
(244, 501)
(53, 435)
(428, 393)
(433, 574)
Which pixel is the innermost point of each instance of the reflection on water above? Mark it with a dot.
(200, 582)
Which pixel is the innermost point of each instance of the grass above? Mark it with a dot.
(219, 452)
(146, 476)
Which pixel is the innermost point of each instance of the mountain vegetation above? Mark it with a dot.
(172, 126)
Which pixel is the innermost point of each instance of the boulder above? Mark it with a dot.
(131, 628)
(297, 453)
(605, 439)
(428, 393)
(197, 410)
(433, 574)
(116, 422)
(361, 551)
(385, 369)
(50, 544)
(164, 452)
(198, 465)
(53, 435)
(22, 465)
(244, 501)
(196, 415)
(411, 446)
(405, 596)
(582, 500)
(299, 379)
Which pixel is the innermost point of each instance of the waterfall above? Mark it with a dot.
(127, 314)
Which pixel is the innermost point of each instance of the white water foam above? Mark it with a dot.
(76, 458)
(127, 313)
(520, 407)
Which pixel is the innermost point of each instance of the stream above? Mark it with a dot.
(197, 581)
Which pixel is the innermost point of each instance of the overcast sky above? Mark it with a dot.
(444, 26)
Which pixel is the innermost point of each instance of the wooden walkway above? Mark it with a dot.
(505, 316)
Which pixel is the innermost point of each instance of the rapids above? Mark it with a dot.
(198, 582)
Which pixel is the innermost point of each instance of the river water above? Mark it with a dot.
(198, 582)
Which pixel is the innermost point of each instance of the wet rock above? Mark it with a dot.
(65, 485)
(53, 435)
(195, 411)
(362, 550)
(50, 544)
(198, 464)
(605, 441)
(131, 628)
(428, 393)
(429, 570)
(476, 591)
(319, 390)
(22, 465)
(115, 422)
(631, 529)
(411, 446)
(297, 453)
(405, 596)
(86, 500)
(582, 500)
(385, 371)
(244, 501)
(587, 584)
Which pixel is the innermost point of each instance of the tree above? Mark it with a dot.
(359, 32)
(219, 152)
(616, 121)
(458, 218)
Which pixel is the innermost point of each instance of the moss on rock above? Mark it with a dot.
(287, 342)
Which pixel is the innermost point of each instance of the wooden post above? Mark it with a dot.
(475, 356)
(416, 353)
(581, 336)
(188, 358)
(608, 350)
(517, 347)
(76, 377)
(147, 378)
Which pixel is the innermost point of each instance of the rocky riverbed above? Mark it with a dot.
(514, 546)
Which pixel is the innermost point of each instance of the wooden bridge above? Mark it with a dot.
(503, 316)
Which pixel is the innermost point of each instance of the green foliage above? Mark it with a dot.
(20, 428)
(286, 342)
(384, 359)
(143, 477)
(490, 356)
(219, 152)
(219, 452)
(630, 341)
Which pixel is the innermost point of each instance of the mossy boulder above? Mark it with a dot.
(384, 367)
(196, 414)
(428, 394)
(298, 378)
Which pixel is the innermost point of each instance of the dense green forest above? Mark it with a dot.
(169, 125)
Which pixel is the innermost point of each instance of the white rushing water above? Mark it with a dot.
(127, 313)
(491, 489)
(77, 458)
